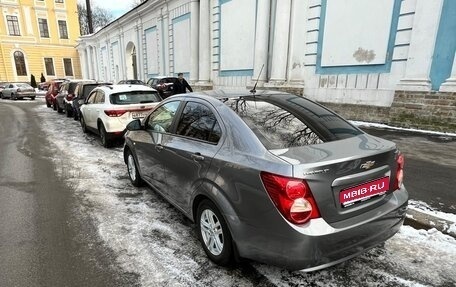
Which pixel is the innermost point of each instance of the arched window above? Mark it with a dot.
(20, 63)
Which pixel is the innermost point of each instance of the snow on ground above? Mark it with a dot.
(425, 208)
(384, 126)
(152, 239)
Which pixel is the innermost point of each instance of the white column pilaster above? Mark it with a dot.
(280, 45)
(425, 27)
(166, 41)
(90, 63)
(261, 42)
(194, 40)
(122, 49)
(84, 62)
(450, 83)
(139, 52)
(204, 69)
(97, 63)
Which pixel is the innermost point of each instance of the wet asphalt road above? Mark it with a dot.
(44, 239)
(430, 166)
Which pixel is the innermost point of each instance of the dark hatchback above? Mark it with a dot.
(164, 85)
(272, 177)
(81, 93)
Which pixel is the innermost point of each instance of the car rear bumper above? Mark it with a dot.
(318, 245)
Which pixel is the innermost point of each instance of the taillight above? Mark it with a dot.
(400, 160)
(114, 113)
(291, 196)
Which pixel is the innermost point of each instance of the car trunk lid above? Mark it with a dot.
(347, 177)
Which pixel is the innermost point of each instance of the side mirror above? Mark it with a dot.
(134, 125)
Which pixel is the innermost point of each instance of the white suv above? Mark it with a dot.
(108, 109)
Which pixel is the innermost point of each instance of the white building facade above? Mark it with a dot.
(341, 51)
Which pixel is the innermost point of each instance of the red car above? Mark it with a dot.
(52, 93)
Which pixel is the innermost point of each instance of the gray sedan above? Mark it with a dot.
(271, 177)
(16, 91)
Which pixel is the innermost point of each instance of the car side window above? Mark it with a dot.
(100, 98)
(10, 86)
(91, 98)
(199, 122)
(76, 91)
(161, 119)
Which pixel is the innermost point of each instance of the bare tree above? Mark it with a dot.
(136, 3)
(101, 17)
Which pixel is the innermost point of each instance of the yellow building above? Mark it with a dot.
(38, 36)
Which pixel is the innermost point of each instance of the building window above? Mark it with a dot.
(13, 25)
(68, 67)
(49, 63)
(58, 1)
(19, 60)
(63, 29)
(44, 30)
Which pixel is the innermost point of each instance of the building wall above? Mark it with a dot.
(356, 52)
(34, 47)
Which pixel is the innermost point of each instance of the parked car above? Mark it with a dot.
(108, 109)
(2, 87)
(43, 86)
(81, 92)
(52, 92)
(131, 82)
(16, 91)
(271, 177)
(164, 85)
(64, 99)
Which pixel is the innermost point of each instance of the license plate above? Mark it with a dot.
(136, 115)
(363, 191)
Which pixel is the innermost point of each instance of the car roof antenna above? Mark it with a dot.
(253, 91)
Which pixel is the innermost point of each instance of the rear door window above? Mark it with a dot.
(199, 122)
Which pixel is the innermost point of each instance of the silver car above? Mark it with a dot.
(271, 177)
(16, 91)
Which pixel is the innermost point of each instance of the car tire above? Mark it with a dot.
(1, 96)
(59, 110)
(83, 125)
(68, 112)
(13, 97)
(104, 136)
(32, 98)
(132, 169)
(214, 234)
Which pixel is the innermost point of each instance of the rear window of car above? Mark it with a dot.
(26, 86)
(134, 97)
(290, 123)
(71, 87)
(86, 89)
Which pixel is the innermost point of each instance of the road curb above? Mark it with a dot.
(421, 220)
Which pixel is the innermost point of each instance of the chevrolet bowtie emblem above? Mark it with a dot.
(367, 164)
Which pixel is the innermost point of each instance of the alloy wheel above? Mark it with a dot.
(131, 167)
(212, 232)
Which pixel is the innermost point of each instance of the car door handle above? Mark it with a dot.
(197, 157)
(159, 147)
